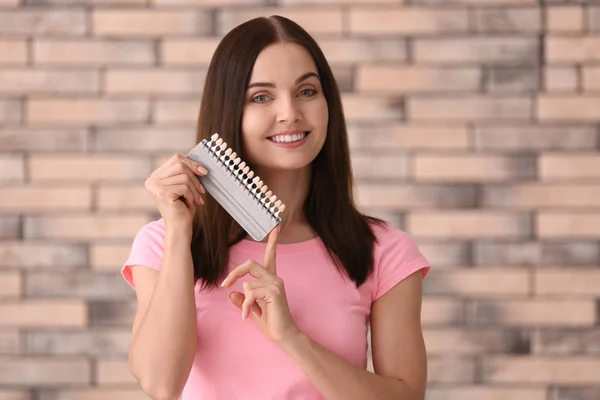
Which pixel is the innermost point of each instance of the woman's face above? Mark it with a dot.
(284, 101)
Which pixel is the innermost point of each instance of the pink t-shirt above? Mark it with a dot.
(234, 361)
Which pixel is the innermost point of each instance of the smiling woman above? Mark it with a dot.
(312, 289)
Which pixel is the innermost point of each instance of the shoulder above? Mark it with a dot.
(387, 235)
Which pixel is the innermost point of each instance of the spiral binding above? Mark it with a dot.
(242, 173)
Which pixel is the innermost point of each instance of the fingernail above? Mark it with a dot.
(223, 283)
(203, 170)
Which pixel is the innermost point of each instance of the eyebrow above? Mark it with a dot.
(269, 84)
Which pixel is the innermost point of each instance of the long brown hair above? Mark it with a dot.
(329, 207)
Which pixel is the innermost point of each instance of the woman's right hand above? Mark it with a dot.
(177, 190)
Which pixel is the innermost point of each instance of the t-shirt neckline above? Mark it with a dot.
(282, 248)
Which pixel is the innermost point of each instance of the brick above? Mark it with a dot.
(508, 20)
(154, 82)
(10, 227)
(473, 341)
(86, 111)
(540, 196)
(10, 284)
(404, 79)
(533, 312)
(93, 53)
(379, 166)
(109, 313)
(10, 111)
(106, 257)
(105, 343)
(351, 2)
(80, 284)
(438, 311)
(572, 49)
(481, 392)
(511, 79)
(540, 370)
(43, 23)
(568, 108)
(322, 21)
(113, 372)
(43, 314)
(101, 3)
(567, 225)
(469, 108)
(593, 20)
(562, 166)
(536, 138)
(477, 2)
(566, 341)
(410, 20)
(13, 52)
(497, 50)
(12, 168)
(84, 228)
(43, 140)
(564, 18)
(355, 50)
(150, 23)
(408, 137)
(450, 369)
(87, 168)
(344, 77)
(397, 196)
(444, 255)
(572, 281)
(34, 81)
(372, 108)
(44, 372)
(38, 255)
(469, 282)
(175, 111)
(472, 167)
(124, 198)
(575, 393)
(27, 198)
(148, 139)
(10, 343)
(468, 224)
(14, 395)
(92, 394)
(188, 52)
(525, 253)
(561, 79)
(591, 78)
(207, 3)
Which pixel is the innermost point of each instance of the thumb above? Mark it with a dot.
(237, 299)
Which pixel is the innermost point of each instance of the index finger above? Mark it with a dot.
(270, 251)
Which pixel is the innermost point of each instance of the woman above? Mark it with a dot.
(303, 329)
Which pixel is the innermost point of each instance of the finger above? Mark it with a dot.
(237, 299)
(175, 192)
(183, 179)
(270, 251)
(181, 169)
(248, 267)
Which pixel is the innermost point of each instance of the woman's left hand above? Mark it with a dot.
(272, 316)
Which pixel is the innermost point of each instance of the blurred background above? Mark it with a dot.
(473, 124)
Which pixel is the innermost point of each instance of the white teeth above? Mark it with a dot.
(288, 138)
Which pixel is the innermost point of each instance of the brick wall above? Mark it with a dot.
(474, 126)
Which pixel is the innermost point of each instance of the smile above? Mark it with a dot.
(296, 137)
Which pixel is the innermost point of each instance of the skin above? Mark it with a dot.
(284, 103)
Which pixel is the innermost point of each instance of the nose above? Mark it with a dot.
(288, 110)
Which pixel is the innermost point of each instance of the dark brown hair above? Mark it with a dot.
(329, 207)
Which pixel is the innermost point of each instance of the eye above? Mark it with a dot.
(261, 98)
(308, 92)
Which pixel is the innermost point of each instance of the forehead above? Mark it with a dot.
(282, 62)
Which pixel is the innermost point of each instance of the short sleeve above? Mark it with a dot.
(396, 257)
(148, 249)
